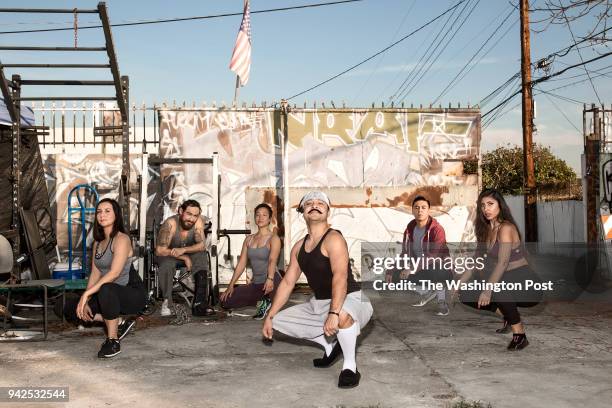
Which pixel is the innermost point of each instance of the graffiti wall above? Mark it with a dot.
(371, 162)
(63, 172)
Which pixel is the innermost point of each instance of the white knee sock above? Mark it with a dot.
(348, 338)
(322, 340)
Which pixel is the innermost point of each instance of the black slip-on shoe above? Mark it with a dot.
(327, 361)
(348, 379)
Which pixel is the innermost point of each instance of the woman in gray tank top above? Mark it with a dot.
(114, 288)
(261, 250)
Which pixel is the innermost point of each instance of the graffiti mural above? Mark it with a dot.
(393, 153)
(371, 161)
(103, 172)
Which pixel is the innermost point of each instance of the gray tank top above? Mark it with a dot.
(176, 241)
(104, 260)
(258, 257)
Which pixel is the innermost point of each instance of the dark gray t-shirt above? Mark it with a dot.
(417, 244)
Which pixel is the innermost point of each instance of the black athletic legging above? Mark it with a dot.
(508, 302)
(111, 301)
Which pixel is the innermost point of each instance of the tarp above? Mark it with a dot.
(27, 115)
(34, 193)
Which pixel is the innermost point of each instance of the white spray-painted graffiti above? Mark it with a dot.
(404, 151)
(397, 149)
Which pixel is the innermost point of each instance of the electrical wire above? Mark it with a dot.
(377, 53)
(452, 82)
(418, 65)
(420, 78)
(174, 20)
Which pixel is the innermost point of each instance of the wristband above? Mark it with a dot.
(272, 279)
(330, 312)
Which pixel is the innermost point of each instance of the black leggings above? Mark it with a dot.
(508, 302)
(111, 301)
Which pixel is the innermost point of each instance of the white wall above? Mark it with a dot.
(558, 222)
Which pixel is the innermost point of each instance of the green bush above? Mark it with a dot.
(502, 169)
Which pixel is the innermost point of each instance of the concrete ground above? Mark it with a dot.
(408, 357)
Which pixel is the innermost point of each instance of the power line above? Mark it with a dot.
(564, 98)
(407, 92)
(507, 100)
(411, 75)
(498, 114)
(592, 71)
(562, 52)
(405, 67)
(547, 77)
(450, 84)
(173, 20)
(383, 56)
(580, 55)
(578, 82)
(378, 53)
(485, 100)
(562, 113)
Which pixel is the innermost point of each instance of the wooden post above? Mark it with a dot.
(593, 141)
(531, 215)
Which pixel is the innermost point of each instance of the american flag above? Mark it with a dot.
(241, 57)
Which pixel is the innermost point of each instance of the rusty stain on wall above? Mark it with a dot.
(432, 193)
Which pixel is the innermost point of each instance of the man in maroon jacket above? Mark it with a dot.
(424, 238)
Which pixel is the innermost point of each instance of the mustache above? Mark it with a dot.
(315, 209)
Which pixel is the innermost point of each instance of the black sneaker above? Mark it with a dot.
(519, 342)
(110, 348)
(124, 328)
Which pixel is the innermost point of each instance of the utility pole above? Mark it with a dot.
(531, 214)
(592, 148)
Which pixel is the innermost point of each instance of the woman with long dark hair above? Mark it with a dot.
(506, 263)
(113, 288)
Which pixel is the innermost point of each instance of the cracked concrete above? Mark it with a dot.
(407, 356)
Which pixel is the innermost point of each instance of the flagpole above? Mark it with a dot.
(237, 77)
(236, 91)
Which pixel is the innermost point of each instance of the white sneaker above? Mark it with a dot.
(425, 299)
(165, 310)
(442, 309)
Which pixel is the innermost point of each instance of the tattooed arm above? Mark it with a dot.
(164, 236)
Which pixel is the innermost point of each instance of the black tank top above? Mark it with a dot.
(317, 269)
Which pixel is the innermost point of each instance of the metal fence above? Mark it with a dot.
(73, 126)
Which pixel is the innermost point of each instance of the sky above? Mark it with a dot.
(297, 49)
